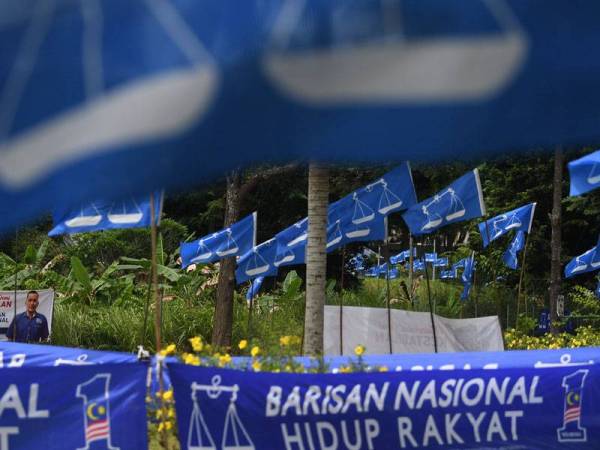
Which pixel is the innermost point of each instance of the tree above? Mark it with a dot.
(316, 258)
(555, 244)
(223, 317)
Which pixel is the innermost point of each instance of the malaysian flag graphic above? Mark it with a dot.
(96, 413)
(573, 409)
(97, 426)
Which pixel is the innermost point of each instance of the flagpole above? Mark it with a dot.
(16, 284)
(148, 293)
(410, 267)
(521, 278)
(433, 263)
(250, 308)
(435, 346)
(342, 301)
(476, 295)
(388, 299)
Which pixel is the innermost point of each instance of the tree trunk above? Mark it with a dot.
(555, 219)
(223, 318)
(316, 258)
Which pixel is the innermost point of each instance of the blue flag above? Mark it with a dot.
(586, 262)
(585, 174)
(148, 107)
(403, 256)
(256, 285)
(132, 212)
(598, 289)
(467, 276)
(462, 200)
(510, 257)
(440, 262)
(259, 261)
(447, 274)
(418, 265)
(431, 257)
(519, 219)
(234, 240)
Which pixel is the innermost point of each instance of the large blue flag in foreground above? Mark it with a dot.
(234, 240)
(585, 174)
(586, 262)
(187, 93)
(132, 212)
(519, 219)
(461, 200)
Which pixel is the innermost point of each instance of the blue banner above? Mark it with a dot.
(260, 261)
(131, 212)
(234, 240)
(510, 257)
(440, 262)
(254, 288)
(586, 262)
(585, 174)
(462, 200)
(544, 402)
(14, 354)
(85, 407)
(161, 105)
(519, 219)
(467, 277)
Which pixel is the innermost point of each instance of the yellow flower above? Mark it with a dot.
(167, 395)
(256, 365)
(191, 359)
(171, 412)
(345, 369)
(161, 426)
(197, 344)
(224, 359)
(359, 350)
(168, 350)
(383, 369)
(243, 344)
(158, 413)
(168, 425)
(255, 351)
(285, 340)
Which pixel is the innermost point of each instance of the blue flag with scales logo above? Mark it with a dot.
(234, 240)
(132, 212)
(467, 276)
(586, 262)
(585, 174)
(259, 261)
(510, 256)
(519, 219)
(461, 200)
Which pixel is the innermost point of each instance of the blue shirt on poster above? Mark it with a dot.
(34, 329)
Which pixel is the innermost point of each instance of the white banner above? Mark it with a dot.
(7, 308)
(411, 332)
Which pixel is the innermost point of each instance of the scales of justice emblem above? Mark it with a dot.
(571, 429)
(235, 436)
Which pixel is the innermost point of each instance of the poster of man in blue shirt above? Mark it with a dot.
(29, 326)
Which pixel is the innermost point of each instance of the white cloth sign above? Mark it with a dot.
(7, 308)
(412, 332)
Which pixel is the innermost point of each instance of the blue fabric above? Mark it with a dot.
(511, 255)
(520, 399)
(586, 262)
(403, 256)
(467, 277)
(519, 219)
(91, 407)
(440, 262)
(598, 289)
(585, 174)
(461, 200)
(28, 330)
(131, 212)
(255, 288)
(260, 261)
(235, 240)
(192, 90)
(418, 265)
(30, 355)
(431, 257)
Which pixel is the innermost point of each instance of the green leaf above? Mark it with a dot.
(41, 252)
(168, 273)
(30, 253)
(160, 252)
(291, 284)
(80, 273)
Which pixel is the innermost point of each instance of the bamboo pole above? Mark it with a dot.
(410, 268)
(388, 294)
(521, 278)
(435, 346)
(342, 301)
(16, 285)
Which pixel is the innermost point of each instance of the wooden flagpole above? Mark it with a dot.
(521, 278)
(342, 301)
(388, 294)
(435, 346)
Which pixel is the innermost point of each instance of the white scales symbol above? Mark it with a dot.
(505, 222)
(156, 106)
(565, 361)
(256, 263)
(121, 213)
(336, 235)
(455, 210)
(231, 246)
(438, 69)
(388, 201)
(203, 251)
(582, 265)
(594, 176)
(235, 436)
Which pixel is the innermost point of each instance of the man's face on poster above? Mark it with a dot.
(32, 303)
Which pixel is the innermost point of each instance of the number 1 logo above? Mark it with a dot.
(96, 412)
